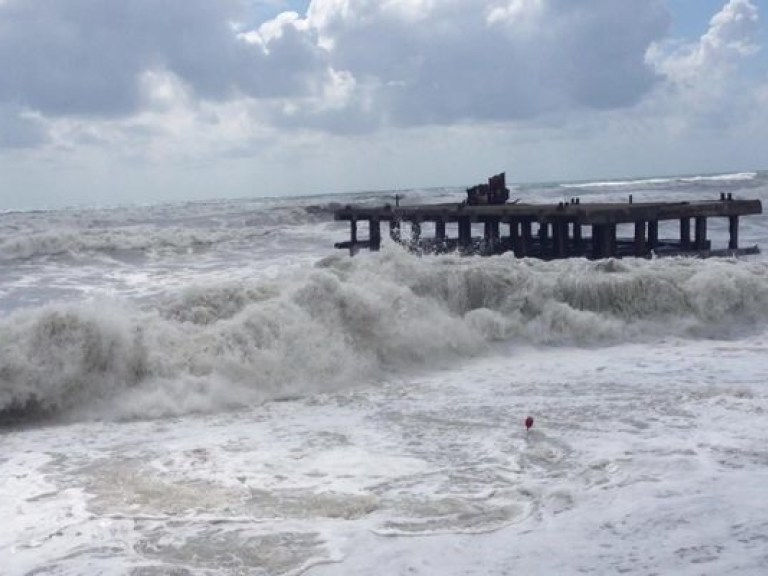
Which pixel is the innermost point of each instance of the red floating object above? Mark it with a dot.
(528, 422)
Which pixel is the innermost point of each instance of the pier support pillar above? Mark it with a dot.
(603, 240)
(544, 248)
(465, 232)
(491, 234)
(639, 239)
(440, 230)
(559, 238)
(415, 231)
(394, 230)
(597, 240)
(352, 237)
(701, 233)
(578, 243)
(526, 236)
(653, 235)
(609, 241)
(685, 233)
(374, 236)
(518, 245)
(733, 228)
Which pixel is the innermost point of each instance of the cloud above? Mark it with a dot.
(348, 65)
(426, 62)
(87, 57)
(730, 38)
(19, 128)
(388, 90)
(705, 87)
(707, 113)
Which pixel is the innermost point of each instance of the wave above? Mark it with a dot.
(732, 177)
(735, 177)
(55, 235)
(348, 321)
(59, 242)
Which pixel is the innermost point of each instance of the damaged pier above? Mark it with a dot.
(485, 225)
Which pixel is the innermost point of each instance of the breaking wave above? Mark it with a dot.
(33, 235)
(645, 182)
(345, 321)
(61, 242)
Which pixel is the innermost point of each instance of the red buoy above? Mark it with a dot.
(528, 423)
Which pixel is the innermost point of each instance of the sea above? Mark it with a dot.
(210, 388)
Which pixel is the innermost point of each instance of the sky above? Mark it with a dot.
(106, 102)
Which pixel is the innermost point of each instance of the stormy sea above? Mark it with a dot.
(211, 388)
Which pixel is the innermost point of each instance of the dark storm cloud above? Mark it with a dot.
(348, 66)
(85, 57)
(439, 62)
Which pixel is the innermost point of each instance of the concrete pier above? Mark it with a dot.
(552, 231)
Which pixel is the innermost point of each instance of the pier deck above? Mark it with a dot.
(563, 230)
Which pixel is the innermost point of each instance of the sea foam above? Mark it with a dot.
(214, 347)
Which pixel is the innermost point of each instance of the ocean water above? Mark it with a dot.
(210, 388)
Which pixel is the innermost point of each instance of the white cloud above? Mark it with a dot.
(161, 90)
(704, 85)
(732, 27)
(730, 38)
(87, 57)
(384, 89)
(438, 63)
(516, 12)
(404, 61)
(20, 128)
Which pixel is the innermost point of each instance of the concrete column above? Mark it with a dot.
(516, 239)
(491, 234)
(653, 234)
(685, 233)
(609, 240)
(639, 239)
(394, 230)
(352, 237)
(374, 235)
(440, 230)
(465, 232)
(701, 233)
(733, 228)
(526, 233)
(415, 231)
(598, 232)
(544, 239)
(578, 243)
(559, 238)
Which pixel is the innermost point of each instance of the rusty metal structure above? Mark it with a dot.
(495, 192)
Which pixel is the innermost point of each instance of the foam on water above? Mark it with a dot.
(654, 182)
(398, 445)
(65, 236)
(650, 460)
(216, 346)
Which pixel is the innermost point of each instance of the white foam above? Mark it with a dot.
(651, 454)
(215, 346)
(730, 177)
